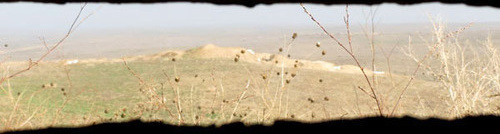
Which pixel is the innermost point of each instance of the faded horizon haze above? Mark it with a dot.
(116, 30)
(35, 17)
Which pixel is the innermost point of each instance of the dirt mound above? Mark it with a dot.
(167, 55)
(211, 51)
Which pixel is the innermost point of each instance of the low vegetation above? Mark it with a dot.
(218, 85)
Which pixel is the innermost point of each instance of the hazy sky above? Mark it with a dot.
(34, 17)
(160, 26)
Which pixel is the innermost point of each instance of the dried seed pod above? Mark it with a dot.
(177, 79)
(280, 49)
(242, 51)
(236, 59)
(287, 81)
(318, 44)
(53, 84)
(323, 52)
(196, 75)
(264, 76)
(106, 111)
(292, 116)
(294, 35)
(293, 74)
(295, 65)
(310, 100)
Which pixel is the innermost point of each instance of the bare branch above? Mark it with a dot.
(33, 64)
(379, 105)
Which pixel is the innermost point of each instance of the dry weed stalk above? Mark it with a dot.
(283, 88)
(31, 64)
(470, 79)
(372, 84)
(239, 100)
(177, 97)
(154, 98)
(351, 54)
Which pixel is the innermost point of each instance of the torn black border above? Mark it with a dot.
(476, 124)
(252, 3)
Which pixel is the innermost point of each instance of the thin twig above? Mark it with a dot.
(346, 21)
(239, 100)
(142, 82)
(177, 98)
(33, 64)
(421, 62)
(350, 54)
